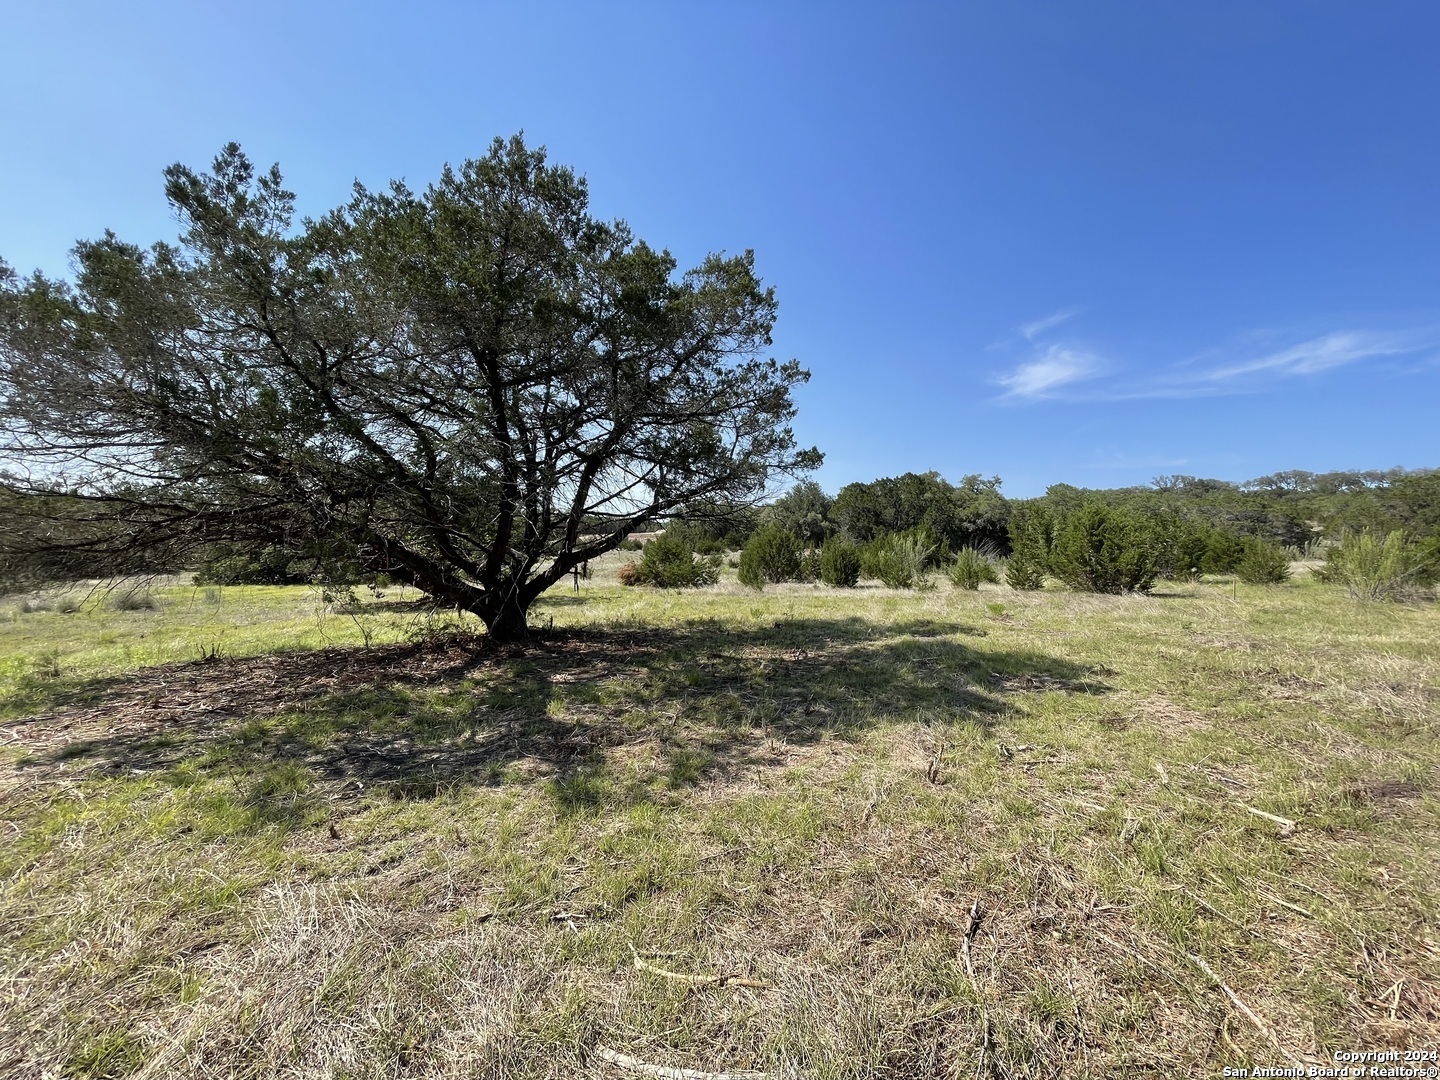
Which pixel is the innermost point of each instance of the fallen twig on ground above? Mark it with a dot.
(1287, 827)
(1245, 1010)
(972, 924)
(1266, 894)
(641, 964)
(625, 1061)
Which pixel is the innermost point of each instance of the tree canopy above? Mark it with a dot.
(473, 388)
(972, 514)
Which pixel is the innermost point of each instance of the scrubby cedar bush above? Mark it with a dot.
(1373, 569)
(840, 564)
(1263, 563)
(697, 537)
(971, 568)
(901, 560)
(1031, 534)
(668, 562)
(809, 566)
(1107, 550)
(1183, 551)
(772, 554)
(1223, 551)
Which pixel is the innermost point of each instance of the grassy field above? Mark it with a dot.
(811, 833)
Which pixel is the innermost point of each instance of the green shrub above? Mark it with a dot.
(972, 567)
(1223, 552)
(1263, 563)
(629, 544)
(273, 564)
(810, 565)
(772, 554)
(1107, 550)
(1031, 535)
(840, 564)
(1373, 569)
(668, 562)
(900, 560)
(1183, 554)
(696, 537)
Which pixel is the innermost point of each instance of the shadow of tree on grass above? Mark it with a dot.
(422, 718)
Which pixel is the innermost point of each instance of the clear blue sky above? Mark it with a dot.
(1058, 241)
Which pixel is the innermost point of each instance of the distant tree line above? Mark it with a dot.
(898, 529)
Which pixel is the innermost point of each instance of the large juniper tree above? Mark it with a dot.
(472, 388)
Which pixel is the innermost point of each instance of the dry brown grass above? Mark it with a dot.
(437, 861)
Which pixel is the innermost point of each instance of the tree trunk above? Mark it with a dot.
(506, 621)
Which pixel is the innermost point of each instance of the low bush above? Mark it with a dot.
(1182, 554)
(900, 560)
(65, 604)
(1263, 563)
(771, 555)
(1373, 569)
(1107, 550)
(697, 537)
(1223, 552)
(1031, 535)
(668, 562)
(810, 565)
(134, 599)
(971, 568)
(840, 564)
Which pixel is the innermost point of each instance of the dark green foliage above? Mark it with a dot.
(803, 511)
(1183, 557)
(840, 564)
(771, 555)
(697, 537)
(718, 525)
(1223, 552)
(1107, 550)
(971, 568)
(271, 564)
(1189, 547)
(475, 387)
(669, 562)
(973, 513)
(1263, 563)
(1031, 535)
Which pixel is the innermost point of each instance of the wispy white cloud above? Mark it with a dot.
(1059, 370)
(1031, 330)
(1321, 354)
(1056, 367)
